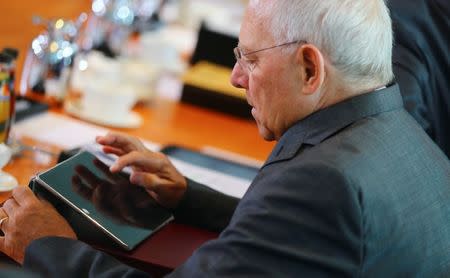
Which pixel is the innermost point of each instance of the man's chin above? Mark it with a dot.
(265, 133)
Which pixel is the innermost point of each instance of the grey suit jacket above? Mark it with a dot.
(357, 189)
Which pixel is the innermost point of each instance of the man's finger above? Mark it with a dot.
(107, 139)
(4, 225)
(149, 181)
(2, 244)
(3, 213)
(10, 207)
(112, 150)
(23, 195)
(3, 219)
(149, 161)
(117, 140)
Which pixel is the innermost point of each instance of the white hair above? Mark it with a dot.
(355, 35)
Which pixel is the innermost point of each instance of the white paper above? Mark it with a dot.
(58, 130)
(62, 131)
(218, 181)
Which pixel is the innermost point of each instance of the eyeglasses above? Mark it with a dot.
(249, 64)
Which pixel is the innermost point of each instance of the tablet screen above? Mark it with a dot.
(125, 211)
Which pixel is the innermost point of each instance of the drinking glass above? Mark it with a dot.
(5, 116)
(7, 182)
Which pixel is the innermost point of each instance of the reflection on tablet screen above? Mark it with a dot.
(123, 209)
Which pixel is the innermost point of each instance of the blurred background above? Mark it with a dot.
(16, 25)
(157, 69)
(77, 53)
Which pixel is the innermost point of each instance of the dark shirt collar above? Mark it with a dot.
(322, 124)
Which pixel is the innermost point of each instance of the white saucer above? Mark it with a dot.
(7, 182)
(132, 120)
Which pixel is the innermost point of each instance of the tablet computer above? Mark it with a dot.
(100, 205)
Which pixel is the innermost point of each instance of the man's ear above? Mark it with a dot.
(313, 68)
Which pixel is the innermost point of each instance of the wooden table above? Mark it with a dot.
(164, 122)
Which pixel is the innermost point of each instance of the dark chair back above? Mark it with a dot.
(421, 63)
(214, 47)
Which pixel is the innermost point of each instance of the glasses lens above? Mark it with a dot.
(237, 53)
(239, 58)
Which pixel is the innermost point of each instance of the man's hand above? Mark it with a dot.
(152, 170)
(28, 218)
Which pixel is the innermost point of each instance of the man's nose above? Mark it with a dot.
(238, 77)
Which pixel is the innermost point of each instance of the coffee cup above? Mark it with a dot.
(140, 77)
(157, 50)
(94, 71)
(107, 101)
(7, 182)
(5, 155)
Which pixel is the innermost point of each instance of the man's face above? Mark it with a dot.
(273, 86)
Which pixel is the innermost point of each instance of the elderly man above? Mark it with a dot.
(354, 187)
